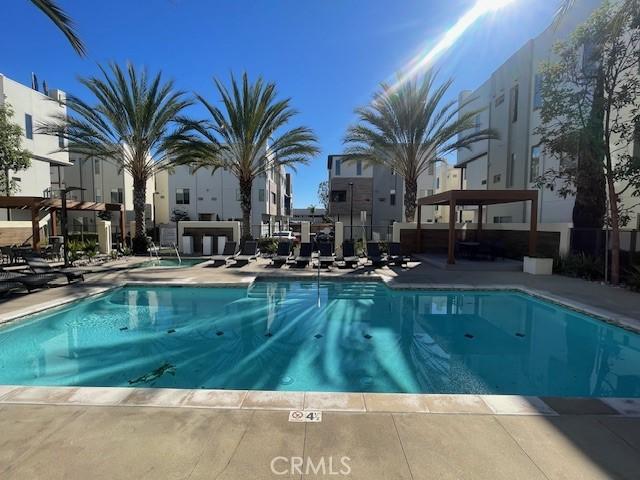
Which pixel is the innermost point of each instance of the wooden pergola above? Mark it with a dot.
(36, 205)
(479, 198)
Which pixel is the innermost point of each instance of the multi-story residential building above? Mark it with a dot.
(448, 177)
(204, 195)
(510, 101)
(102, 180)
(355, 186)
(32, 108)
(315, 215)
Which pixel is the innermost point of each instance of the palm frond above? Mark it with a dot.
(59, 17)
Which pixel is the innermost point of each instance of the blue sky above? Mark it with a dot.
(328, 55)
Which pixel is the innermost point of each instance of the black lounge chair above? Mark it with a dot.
(326, 256)
(349, 257)
(395, 255)
(375, 255)
(40, 266)
(30, 281)
(228, 252)
(304, 257)
(283, 254)
(249, 252)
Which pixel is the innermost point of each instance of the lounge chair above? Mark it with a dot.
(395, 256)
(304, 257)
(249, 252)
(375, 255)
(349, 257)
(326, 256)
(30, 281)
(283, 254)
(40, 266)
(228, 252)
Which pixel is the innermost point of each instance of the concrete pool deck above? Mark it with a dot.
(131, 433)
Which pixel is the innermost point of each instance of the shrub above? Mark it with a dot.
(75, 250)
(580, 266)
(90, 249)
(268, 245)
(140, 245)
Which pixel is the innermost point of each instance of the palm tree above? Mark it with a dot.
(58, 16)
(131, 122)
(247, 136)
(408, 128)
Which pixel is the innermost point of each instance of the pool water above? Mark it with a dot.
(171, 263)
(362, 337)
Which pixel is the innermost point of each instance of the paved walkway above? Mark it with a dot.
(60, 442)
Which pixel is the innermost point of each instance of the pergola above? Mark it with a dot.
(52, 206)
(480, 198)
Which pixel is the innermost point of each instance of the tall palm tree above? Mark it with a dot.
(408, 128)
(247, 136)
(59, 17)
(130, 122)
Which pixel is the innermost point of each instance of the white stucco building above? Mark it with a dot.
(31, 108)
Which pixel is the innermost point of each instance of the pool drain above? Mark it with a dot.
(219, 333)
(286, 380)
(317, 335)
(468, 335)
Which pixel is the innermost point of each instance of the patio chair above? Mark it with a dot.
(395, 256)
(38, 265)
(326, 256)
(304, 257)
(283, 254)
(248, 253)
(349, 257)
(6, 254)
(375, 255)
(228, 252)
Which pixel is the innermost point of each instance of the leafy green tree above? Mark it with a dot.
(131, 121)
(591, 112)
(247, 136)
(408, 128)
(61, 20)
(323, 195)
(13, 157)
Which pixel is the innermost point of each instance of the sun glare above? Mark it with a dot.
(425, 60)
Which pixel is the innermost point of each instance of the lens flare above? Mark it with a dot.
(424, 60)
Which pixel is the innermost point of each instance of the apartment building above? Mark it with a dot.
(355, 186)
(102, 180)
(205, 196)
(31, 108)
(449, 177)
(510, 100)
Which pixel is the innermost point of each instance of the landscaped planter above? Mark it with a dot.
(538, 266)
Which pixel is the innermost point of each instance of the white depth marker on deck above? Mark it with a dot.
(305, 416)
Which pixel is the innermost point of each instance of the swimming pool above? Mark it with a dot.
(171, 263)
(363, 337)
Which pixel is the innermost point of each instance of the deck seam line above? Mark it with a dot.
(393, 419)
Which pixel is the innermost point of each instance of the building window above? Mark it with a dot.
(61, 141)
(274, 199)
(338, 196)
(338, 167)
(182, 196)
(500, 100)
(478, 123)
(98, 195)
(431, 170)
(534, 167)
(392, 198)
(28, 126)
(437, 183)
(96, 166)
(497, 178)
(116, 195)
(205, 217)
(514, 104)
(510, 169)
(358, 167)
(238, 196)
(537, 92)
(483, 182)
(502, 219)
(261, 195)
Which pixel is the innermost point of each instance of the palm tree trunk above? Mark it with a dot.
(139, 201)
(410, 195)
(246, 186)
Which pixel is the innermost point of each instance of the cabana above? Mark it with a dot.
(479, 198)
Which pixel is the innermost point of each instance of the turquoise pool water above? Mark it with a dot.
(171, 263)
(363, 337)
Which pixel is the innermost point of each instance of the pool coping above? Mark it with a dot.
(459, 404)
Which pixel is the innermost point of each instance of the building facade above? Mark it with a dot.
(32, 108)
(510, 101)
(205, 196)
(356, 187)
